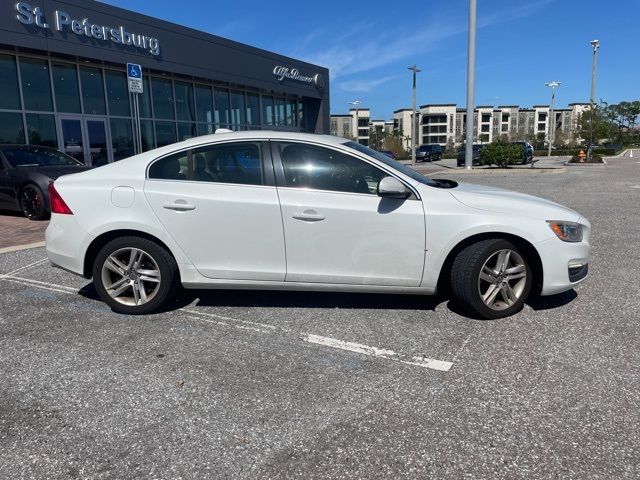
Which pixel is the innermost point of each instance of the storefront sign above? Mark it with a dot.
(291, 73)
(63, 22)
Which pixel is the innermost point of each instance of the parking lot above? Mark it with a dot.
(314, 385)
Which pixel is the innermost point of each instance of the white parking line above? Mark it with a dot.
(27, 267)
(17, 248)
(417, 361)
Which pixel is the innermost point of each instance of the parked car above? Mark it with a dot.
(527, 151)
(477, 148)
(388, 153)
(25, 173)
(220, 211)
(428, 153)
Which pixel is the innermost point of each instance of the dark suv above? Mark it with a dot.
(428, 153)
(477, 148)
(527, 151)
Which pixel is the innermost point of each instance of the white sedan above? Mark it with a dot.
(287, 211)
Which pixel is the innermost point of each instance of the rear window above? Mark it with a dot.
(239, 163)
(37, 157)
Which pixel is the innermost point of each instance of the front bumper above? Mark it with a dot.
(564, 264)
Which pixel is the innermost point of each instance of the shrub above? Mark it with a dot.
(594, 159)
(501, 153)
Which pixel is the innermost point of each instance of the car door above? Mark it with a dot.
(7, 192)
(337, 229)
(220, 204)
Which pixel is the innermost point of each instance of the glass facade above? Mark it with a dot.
(67, 105)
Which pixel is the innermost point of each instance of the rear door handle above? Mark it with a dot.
(179, 206)
(309, 216)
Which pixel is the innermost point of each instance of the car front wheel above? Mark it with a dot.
(491, 278)
(135, 275)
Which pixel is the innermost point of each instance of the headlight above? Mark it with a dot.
(566, 231)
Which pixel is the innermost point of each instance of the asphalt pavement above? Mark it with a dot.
(245, 385)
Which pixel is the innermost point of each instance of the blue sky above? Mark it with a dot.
(368, 45)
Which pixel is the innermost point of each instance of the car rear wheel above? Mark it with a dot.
(33, 203)
(135, 275)
(491, 278)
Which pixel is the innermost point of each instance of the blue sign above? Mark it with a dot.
(134, 77)
(134, 70)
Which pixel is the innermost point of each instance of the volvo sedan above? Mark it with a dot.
(288, 211)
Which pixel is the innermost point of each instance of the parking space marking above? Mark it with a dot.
(27, 267)
(377, 352)
(417, 361)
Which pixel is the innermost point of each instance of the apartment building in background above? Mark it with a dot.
(445, 124)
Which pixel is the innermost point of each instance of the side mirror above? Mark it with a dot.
(390, 187)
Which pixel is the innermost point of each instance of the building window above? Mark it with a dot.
(186, 131)
(237, 109)
(204, 104)
(121, 138)
(486, 128)
(165, 133)
(144, 99)
(253, 109)
(36, 86)
(10, 97)
(267, 110)
(542, 117)
(11, 129)
(221, 111)
(146, 133)
(206, 128)
(185, 109)
(280, 113)
(162, 93)
(92, 91)
(117, 93)
(65, 86)
(41, 130)
(486, 117)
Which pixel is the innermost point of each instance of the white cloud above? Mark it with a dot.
(364, 85)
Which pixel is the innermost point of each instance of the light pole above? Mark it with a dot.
(415, 70)
(596, 45)
(357, 131)
(552, 121)
(471, 74)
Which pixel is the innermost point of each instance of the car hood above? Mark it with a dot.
(54, 172)
(505, 201)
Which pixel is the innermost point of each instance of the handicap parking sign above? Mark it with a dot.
(134, 77)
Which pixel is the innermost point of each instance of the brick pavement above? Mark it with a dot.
(15, 229)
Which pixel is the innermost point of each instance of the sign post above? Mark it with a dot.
(136, 87)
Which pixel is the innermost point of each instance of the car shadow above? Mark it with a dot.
(554, 301)
(11, 213)
(291, 299)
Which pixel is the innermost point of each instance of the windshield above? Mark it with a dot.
(381, 157)
(37, 157)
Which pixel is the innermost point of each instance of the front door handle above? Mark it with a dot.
(309, 216)
(179, 206)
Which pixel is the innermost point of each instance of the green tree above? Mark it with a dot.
(394, 143)
(501, 153)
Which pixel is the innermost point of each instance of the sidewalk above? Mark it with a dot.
(15, 229)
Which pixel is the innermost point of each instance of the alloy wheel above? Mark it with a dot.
(131, 276)
(502, 279)
(30, 202)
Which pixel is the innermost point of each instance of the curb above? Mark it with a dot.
(17, 248)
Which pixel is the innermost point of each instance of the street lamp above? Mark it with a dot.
(595, 44)
(415, 70)
(357, 131)
(471, 74)
(552, 121)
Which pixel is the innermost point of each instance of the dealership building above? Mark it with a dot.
(63, 81)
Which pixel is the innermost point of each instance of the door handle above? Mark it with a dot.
(309, 216)
(179, 206)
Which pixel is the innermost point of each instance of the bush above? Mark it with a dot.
(594, 159)
(501, 153)
(570, 152)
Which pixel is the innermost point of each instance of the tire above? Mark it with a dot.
(506, 292)
(150, 269)
(33, 202)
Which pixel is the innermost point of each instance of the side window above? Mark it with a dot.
(223, 163)
(319, 168)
